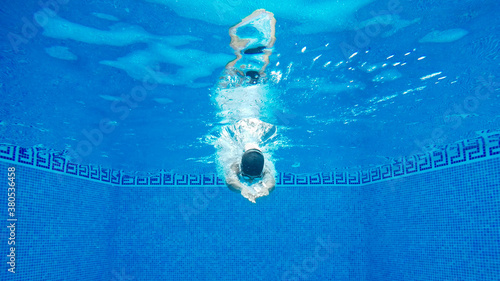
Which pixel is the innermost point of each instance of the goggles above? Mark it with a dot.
(250, 178)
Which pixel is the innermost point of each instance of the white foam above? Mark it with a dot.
(242, 107)
(243, 102)
(233, 139)
(444, 36)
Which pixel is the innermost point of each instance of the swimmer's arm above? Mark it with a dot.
(232, 181)
(268, 180)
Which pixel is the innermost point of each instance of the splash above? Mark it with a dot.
(233, 138)
(242, 102)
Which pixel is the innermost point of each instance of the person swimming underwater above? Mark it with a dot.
(241, 95)
(250, 175)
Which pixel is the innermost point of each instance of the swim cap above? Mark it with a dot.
(252, 163)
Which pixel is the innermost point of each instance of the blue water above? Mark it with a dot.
(356, 86)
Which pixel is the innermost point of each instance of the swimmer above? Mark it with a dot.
(250, 175)
(241, 95)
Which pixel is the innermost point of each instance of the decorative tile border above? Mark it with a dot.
(485, 146)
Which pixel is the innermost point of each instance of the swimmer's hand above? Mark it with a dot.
(247, 191)
(249, 194)
(255, 191)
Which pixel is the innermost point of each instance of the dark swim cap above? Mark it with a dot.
(252, 163)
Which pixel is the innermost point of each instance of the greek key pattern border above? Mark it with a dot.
(485, 146)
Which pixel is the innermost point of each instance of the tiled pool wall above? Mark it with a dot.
(211, 233)
(433, 216)
(484, 146)
(442, 225)
(63, 226)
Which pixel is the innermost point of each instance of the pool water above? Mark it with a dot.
(387, 152)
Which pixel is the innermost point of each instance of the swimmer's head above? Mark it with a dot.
(252, 163)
